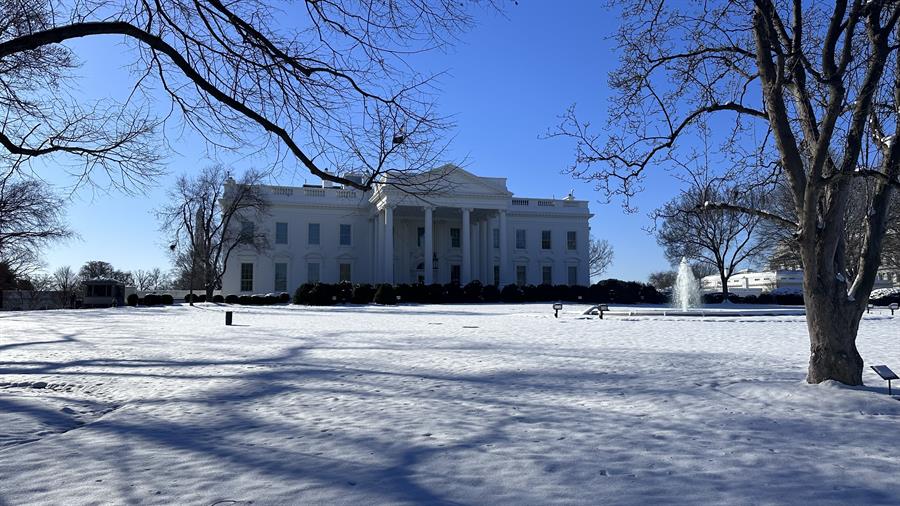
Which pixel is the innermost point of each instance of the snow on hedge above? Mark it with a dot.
(786, 290)
(885, 292)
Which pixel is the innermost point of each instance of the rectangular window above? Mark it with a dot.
(545, 239)
(420, 236)
(454, 237)
(521, 275)
(520, 238)
(246, 277)
(312, 273)
(247, 231)
(496, 275)
(496, 233)
(573, 275)
(454, 273)
(280, 233)
(345, 235)
(344, 272)
(571, 240)
(280, 277)
(313, 233)
(547, 274)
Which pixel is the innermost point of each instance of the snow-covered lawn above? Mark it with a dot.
(494, 404)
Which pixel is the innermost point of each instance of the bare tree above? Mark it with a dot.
(147, 280)
(810, 91)
(891, 255)
(187, 272)
(209, 217)
(786, 252)
(36, 296)
(66, 281)
(9, 278)
(662, 280)
(332, 92)
(722, 239)
(21, 263)
(163, 280)
(600, 256)
(30, 218)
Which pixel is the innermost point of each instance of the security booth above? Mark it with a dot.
(103, 292)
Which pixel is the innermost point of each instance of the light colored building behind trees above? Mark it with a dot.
(749, 282)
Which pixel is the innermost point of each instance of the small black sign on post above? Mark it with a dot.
(601, 308)
(893, 307)
(886, 374)
(228, 315)
(556, 308)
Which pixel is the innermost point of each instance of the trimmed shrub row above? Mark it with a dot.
(884, 300)
(150, 300)
(250, 300)
(258, 299)
(784, 299)
(612, 290)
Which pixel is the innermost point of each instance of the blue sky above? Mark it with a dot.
(507, 81)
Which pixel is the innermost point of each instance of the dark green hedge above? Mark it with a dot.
(385, 295)
(323, 294)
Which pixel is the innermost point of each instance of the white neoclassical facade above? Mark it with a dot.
(468, 228)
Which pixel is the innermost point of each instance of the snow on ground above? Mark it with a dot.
(493, 404)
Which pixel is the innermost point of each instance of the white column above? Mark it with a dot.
(466, 247)
(485, 251)
(373, 250)
(504, 251)
(389, 245)
(473, 252)
(489, 250)
(379, 247)
(429, 247)
(476, 251)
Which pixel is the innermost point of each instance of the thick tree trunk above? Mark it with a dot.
(724, 288)
(833, 321)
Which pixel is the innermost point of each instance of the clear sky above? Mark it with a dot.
(507, 81)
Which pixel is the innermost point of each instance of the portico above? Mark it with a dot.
(439, 244)
(445, 235)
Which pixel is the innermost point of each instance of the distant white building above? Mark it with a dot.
(756, 282)
(473, 228)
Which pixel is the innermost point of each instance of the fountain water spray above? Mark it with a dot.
(687, 290)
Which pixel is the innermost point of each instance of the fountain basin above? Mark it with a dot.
(705, 312)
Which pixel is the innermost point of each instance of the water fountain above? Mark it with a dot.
(686, 294)
(686, 301)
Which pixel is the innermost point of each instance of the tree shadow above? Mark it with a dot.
(62, 339)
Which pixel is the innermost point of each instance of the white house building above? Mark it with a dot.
(471, 228)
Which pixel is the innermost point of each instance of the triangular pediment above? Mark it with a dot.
(458, 181)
